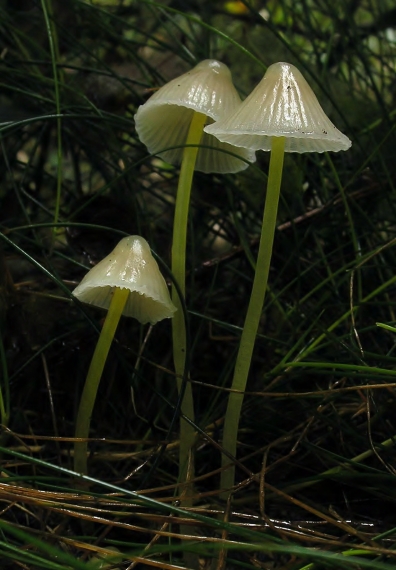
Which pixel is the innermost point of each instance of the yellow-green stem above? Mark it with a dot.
(88, 397)
(253, 315)
(179, 272)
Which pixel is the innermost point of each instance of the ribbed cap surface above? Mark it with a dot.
(129, 266)
(282, 104)
(164, 120)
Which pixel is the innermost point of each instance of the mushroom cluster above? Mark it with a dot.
(199, 121)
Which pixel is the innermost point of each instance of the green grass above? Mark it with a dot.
(315, 463)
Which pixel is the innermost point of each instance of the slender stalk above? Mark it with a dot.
(253, 315)
(179, 272)
(90, 390)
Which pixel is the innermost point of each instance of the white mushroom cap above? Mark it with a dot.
(282, 105)
(129, 266)
(164, 120)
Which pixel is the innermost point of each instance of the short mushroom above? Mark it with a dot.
(126, 282)
(282, 114)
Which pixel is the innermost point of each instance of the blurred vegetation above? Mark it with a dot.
(316, 459)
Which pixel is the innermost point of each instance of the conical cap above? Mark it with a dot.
(282, 104)
(164, 120)
(129, 266)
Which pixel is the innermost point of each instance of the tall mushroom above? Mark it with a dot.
(164, 121)
(126, 282)
(171, 125)
(282, 114)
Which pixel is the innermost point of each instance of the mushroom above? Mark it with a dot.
(126, 282)
(282, 114)
(163, 122)
(282, 105)
(171, 125)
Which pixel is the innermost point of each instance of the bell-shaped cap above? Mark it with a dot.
(129, 266)
(164, 120)
(282, 105)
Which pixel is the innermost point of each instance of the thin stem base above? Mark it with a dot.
(253, 315)
(95, 371)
